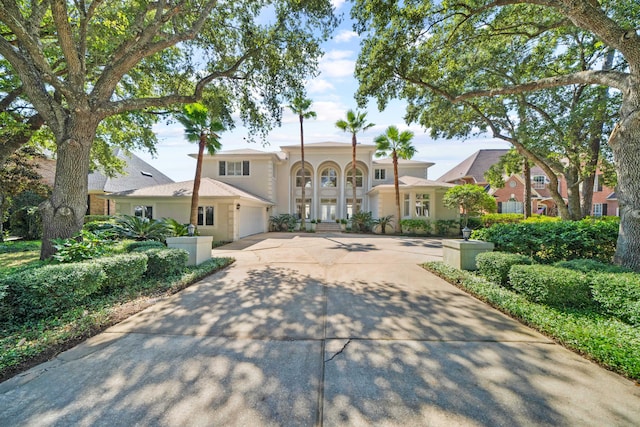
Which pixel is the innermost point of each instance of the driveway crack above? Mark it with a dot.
(341, 350)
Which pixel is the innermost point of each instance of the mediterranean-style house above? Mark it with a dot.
(241, 189)
(510, 198)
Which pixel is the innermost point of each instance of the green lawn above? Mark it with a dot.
(18, 254)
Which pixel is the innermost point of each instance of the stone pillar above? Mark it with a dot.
(199, 247)
(462, 254)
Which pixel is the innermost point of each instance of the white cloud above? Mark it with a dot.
(345, 36)
(319, 86)
(337, 64)
(337, 3)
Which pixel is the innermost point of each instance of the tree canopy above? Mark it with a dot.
(491, 65)
(76, 64)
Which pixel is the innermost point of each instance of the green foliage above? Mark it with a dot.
(176, 228)
(82, 247)
(444, 226)
(619, 294)
(26, 222)
(500, 218)
(549, 242)
(283, 222)
(415, 225)
(142, 228)
(143, 245)
(495, 266)
(122, 270)
(164, 262)
(362, 222)
(19, 246)
(106, 230)
(611, 343)
(383, 222)
(554, 286)
(590, 265)
(97, 218)
(40, 292)
(471, 199)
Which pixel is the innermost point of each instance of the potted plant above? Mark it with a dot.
(343, 224)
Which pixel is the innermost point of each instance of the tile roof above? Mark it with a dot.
(412, 181)
(474, 166)
(208, 188)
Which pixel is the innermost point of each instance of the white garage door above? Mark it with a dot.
(251, 221)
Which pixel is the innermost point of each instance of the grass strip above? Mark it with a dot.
(608, 341)
(23, 345)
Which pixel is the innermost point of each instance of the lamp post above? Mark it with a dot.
(191, 229)
(466, 233)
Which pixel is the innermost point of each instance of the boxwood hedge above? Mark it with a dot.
(122, 270)
(495, 266)
(164, 262)
(619, 294)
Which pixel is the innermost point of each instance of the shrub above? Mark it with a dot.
(553, 286)
(104, 229)
(176, 228)
(26, 223)
(443, 226)
(164, 262)
(500, 218)
(619, 294)
(495, 266)
(282, 222)
(362, 222)
(122, 270)
(142, 228)
(415, 225)
(40, 292)
(80, 248)
(143, 245)
(97, 218)
(549, 242)
(589, 265)
(382, 223)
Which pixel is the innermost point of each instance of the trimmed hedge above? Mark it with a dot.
(500, 218)
(553, 286)
(619, 294)
(143, 245)
(164, 262)
(122, 270)
(40, 292)
(590, 265)
(549, 242)
(495, 266)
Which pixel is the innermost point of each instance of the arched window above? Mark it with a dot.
(358, 177)
(329, 178)
(307, 178)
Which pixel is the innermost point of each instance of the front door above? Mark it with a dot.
(328, 209)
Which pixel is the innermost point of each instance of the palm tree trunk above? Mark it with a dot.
(354, 204)
(396, 183)
(195, 199)
(303, 206)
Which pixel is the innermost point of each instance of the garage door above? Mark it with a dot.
(251, 221)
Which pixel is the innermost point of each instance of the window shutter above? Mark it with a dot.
(245, 167)
(222, 171)
(499, 207)
(604, 209)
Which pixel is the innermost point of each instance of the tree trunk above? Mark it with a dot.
(398, 227)
(572, 177)
(625, 142)
(195, 198)
(354, 205)
(63, 213)
(304, 176)
(526, 171)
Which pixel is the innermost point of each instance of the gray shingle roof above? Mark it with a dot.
(136, 174)
(474, 166)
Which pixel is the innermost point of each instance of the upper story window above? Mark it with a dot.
(539, 182)
(240, 168)
(358, 178)
(380, 174)
(307, 178)
(329, 178)
(597, 185)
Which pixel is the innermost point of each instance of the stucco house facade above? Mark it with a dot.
(242, 188)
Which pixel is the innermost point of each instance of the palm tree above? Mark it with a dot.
(399, 143)
(300, 106)
(200, 127)
(356, 122)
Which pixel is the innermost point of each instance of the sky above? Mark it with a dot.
(332, 93)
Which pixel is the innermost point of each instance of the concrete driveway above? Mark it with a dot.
(309, 330)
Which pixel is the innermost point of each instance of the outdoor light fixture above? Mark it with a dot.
(238, 206)
(191, 229)
(466, 233)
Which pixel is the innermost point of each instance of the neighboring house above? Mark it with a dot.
(258, 184)
(510, 198)
(136, 174)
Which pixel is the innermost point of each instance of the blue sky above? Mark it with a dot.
(332, 94)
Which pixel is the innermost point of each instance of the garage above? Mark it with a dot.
(252, 220)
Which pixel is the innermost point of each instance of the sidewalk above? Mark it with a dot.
(320, 329)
